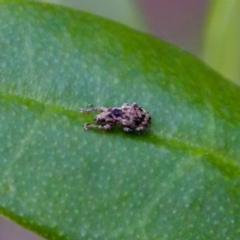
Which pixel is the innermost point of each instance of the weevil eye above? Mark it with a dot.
(96, 119)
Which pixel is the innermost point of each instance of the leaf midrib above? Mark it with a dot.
(219, 160)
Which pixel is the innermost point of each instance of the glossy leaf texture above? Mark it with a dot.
(178, 180)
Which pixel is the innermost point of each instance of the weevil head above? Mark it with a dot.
(100, 118)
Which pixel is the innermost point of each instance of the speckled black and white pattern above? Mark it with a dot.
(129, 116)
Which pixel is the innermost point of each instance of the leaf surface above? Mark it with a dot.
(178, 180)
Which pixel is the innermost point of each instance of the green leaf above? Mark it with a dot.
(124, 11)
(179, 180)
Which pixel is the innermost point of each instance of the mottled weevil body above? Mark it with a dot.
(130, 116)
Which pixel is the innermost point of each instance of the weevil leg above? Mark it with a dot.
(140, 128)
(99, 109)
(127, 129)
(89, 125)
(106, 127)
